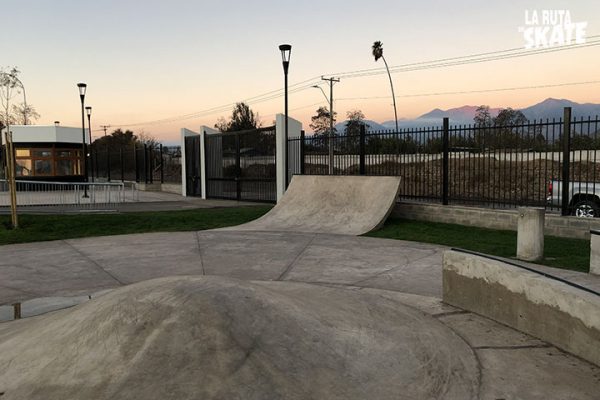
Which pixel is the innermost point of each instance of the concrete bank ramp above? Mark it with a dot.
(348, 205)
(217, 338)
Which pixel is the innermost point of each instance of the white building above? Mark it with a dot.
(47, 152)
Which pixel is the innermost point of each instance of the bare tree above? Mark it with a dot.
(24, 114)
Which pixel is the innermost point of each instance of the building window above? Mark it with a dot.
(44, 162)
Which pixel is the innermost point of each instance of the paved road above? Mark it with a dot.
(506, 363)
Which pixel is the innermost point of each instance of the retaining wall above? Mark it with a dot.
(555, 225)
(558, 313)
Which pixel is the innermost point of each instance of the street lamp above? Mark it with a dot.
(88, 110)
(286, 52)
(82, 88)
(56, 123)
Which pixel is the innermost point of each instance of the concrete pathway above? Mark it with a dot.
(507, 364)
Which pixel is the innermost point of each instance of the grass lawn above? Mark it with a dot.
(564, 253)
(34, 228)
(559, 252)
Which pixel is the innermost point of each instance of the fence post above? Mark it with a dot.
(96, 162)
(135, 162)
(121, 161)
(145, 163)
(91, 153)
(162, 165)
(566, 161)
(238, 168)
(361, 150)
(302, 152)
(445, 149)
(107, 163)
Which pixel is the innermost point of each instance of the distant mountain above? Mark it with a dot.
(549, 108)
(553, 108)
(373, 126)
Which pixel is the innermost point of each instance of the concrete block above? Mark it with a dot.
(595, 252)
(530, 234)
(580, 223)
(149, 187)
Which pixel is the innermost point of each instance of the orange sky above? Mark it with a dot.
(151, 61)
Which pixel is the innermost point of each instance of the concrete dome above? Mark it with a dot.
(219, 338)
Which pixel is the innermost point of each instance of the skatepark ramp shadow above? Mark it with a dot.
(347, 205)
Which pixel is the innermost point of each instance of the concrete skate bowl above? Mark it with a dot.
(350, 205)
(217, 338)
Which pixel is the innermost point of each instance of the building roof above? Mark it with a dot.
(46, 134)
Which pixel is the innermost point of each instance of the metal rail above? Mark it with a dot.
(35, 193)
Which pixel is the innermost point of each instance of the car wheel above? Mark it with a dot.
(586, 209)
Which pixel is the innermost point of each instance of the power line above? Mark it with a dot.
(440, 63)
(474, 91)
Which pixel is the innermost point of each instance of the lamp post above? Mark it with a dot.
(286, 51)
(88, 110)
(82, 88)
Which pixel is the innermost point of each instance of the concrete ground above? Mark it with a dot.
(496, 362)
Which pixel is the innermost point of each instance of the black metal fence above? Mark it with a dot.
(139, 163)
(241, 165)
(496, 166)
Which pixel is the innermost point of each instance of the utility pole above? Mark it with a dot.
(104, 128)
(331, 82)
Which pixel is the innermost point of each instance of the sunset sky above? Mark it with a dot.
(153, 60)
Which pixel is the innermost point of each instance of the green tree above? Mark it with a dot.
(507, 134)
(120, 139)
(377, 51)
(483, 117)
(508, 116)
(356, 119)
(483, 120)
(320, 124)
(242, 118)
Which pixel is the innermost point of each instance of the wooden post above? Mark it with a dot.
(12, 184)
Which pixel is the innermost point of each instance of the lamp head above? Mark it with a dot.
(286, 52)
(82, 87)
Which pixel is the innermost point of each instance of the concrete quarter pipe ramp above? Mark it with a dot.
(349, 205)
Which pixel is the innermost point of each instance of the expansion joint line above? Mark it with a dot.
(96, 264)
(290, 266)
(200, 252)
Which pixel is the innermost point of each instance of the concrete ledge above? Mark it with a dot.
(595, 252)
(558, 313)
(149, 187)
(171, 188)
(554, 225)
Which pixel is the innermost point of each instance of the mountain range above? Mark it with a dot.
(549, 108)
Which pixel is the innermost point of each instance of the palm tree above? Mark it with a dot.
(378, 53)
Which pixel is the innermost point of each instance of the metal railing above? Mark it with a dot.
(138, 162)
(76, 194)
(499, 166)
